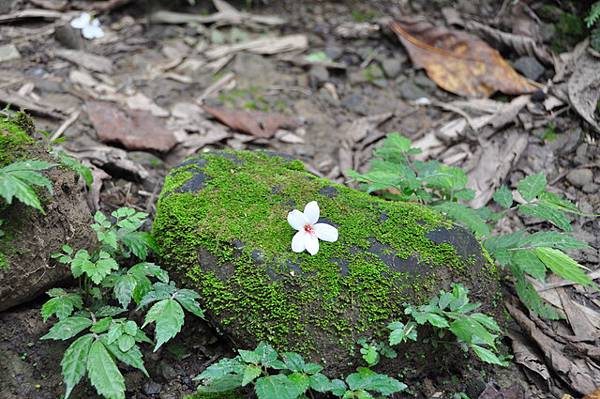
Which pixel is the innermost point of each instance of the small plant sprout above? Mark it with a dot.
(90, 28)
(309, 231)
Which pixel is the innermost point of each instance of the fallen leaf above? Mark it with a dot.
(593, 395)
(457, 61)
(259, 124)
(584, 89)
(136, 130)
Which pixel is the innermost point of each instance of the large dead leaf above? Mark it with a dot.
(584, 89)
(259, 124)
(136, 130)
(457, 61)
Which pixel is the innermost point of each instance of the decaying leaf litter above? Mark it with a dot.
(325, 83)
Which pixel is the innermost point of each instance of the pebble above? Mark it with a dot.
(391, 67)
(9, 52)
(151, 388)
(318, 75)
(590, 188)
(529, 67)
(580, 177)
(410, 91)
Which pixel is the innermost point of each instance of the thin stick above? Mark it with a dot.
(65, 125)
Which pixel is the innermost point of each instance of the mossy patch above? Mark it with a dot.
(216, 395)
(221, 227)
(13, 141)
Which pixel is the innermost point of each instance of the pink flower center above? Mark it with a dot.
(309, 229)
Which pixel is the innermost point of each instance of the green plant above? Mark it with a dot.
(76, 166)
(288, 376)
(100, 308)
(396, 176)
(451, 311)
(591, 20)
(18, 179)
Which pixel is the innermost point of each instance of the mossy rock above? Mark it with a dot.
(30, 237)
(221, 228)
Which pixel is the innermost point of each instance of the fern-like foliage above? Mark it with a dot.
(594, 15)
(17, 180)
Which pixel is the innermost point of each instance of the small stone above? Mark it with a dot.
(9, 52)
(151, 388)
(529, 67)
(69, 37)
(590, 188)
(410, 91)
(391, 67)
(318, 75)
(167, 371)
(333, 51)
(581, 154)
(580, 177)
(423, 81)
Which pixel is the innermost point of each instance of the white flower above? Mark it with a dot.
(309, 231)
(90, 28)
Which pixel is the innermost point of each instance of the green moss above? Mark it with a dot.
(13, 141)
(3, 261)
(284, 297)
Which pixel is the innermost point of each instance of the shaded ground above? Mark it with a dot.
(366, 72)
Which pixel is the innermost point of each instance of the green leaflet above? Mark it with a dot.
(465, 215)
(503, 197)
(530, 298)
(62, 305)
(563, 265)
(103, 372)
(277, 387)
(532, 186)
(529, 263)
(168, 316)
(17, 181)
(549, 213)
(68, 328)
(74, 362)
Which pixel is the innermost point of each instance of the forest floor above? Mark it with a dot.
(137, 101)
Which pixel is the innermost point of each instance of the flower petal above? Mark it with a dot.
(326, 232)
(296, 219)
(312, 244)
(82, 21)
(298, 242)
(311, 212)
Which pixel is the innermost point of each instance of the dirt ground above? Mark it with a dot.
(357, 85)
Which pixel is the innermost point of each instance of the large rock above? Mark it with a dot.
(221, 227)
(26, 269)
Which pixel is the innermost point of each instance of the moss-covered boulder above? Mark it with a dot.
(221, 227)
(30, 237)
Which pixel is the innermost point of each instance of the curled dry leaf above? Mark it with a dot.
(457, 61)
(584, 89)
(259, 124)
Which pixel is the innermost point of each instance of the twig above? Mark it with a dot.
(65, 125)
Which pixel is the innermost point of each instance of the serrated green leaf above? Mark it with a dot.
(123, 289)
(139, 243)
(466, 216)
(530, 298)
(267, 355)
(402, 333)
(528, 261)
(76, 166)
(312, 368)
(437, 321)
(505, 241)
(187, 298)
(125, 342)
(103, 372)
(293, 361)
(160, 291)
(249, 356)
(276, 387)
(168, 316)
(338, 387)
(563, 265)
(68, 328)
(368, 380)
(320, 383)
(555, 201)
(81, 262)
(74, 362)
(544, 212)
(102, 325)
(503, 197)
(62, 305)
(552, 239)
(251, 372)
(532, 186)
(466, 328)
(225, 383)
(130, 328)
(301, 380)
(370, 355)
(487, 355)
(17, 181)
(485, 320)
(133, 357)
(149, 269)
(222, 368)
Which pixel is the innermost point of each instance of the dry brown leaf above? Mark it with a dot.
(259, 124)
(457, 61)
(136, 130)
(593, 395)
(584, 89)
